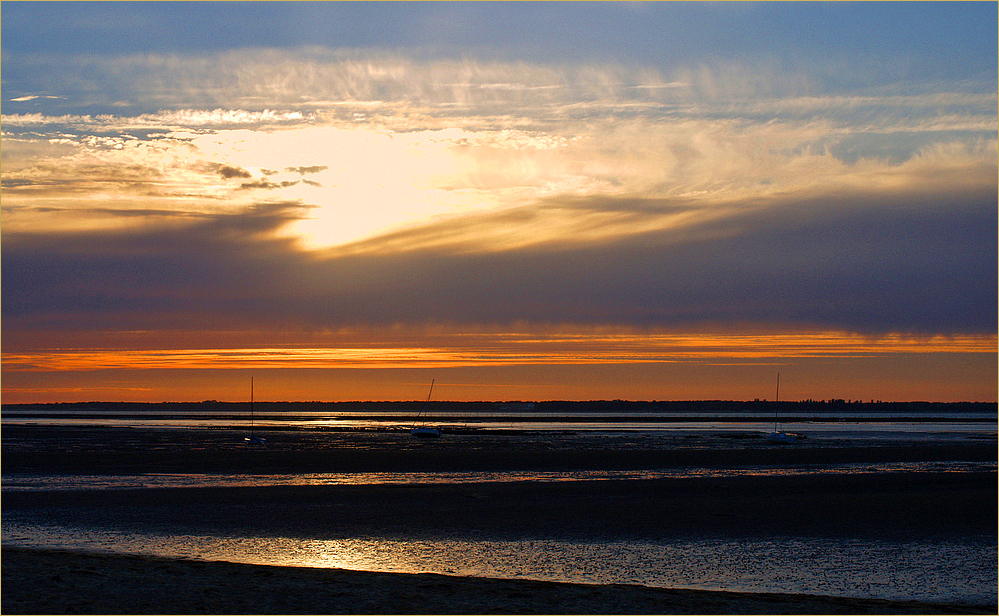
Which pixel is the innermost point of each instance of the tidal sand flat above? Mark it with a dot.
(859, 508)
(57, 582)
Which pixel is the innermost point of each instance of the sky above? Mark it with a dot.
(521, 201)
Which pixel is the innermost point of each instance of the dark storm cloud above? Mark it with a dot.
(915, 262)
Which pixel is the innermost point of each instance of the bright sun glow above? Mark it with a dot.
(366, 182)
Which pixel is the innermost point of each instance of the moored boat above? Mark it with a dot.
(253, 439)
(423, 431)
(777, 437)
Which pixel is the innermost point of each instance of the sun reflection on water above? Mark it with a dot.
(923, 570)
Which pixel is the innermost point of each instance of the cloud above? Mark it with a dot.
(264, 184)
(110, 212)
(422, 156)
(161, 120)
(232, 172)
(146, 275)
(16, 182)
(31, 97)
(66, 177)
(307, 170)
(836, 262)
(719, 192)
(919, 260)
(275, 87)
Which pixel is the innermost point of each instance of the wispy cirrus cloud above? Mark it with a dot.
(495, 150)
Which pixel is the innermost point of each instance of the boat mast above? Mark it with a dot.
(424, 409)
(776, 400)
(251, 407)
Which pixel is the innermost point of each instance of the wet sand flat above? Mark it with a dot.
(114, 450)
(897, 506)
(53, 582)
(890, 506)
(873, 505)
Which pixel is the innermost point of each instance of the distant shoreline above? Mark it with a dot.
(455, 416)
(695, 407)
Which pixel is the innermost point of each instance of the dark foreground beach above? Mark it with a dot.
(933, 505)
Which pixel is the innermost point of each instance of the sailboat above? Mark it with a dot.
(777, 437)
(422, 431)
(253, 439)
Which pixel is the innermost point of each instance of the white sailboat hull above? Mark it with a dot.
(781, 438)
